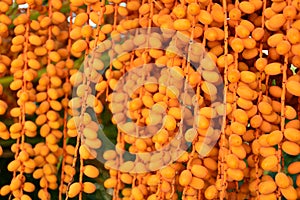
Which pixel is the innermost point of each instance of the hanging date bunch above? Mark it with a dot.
(150, 99)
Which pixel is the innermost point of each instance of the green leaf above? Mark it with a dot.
(12, 9)
(78, 62)
(101, 193)
(65, 7)
(34, 15)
